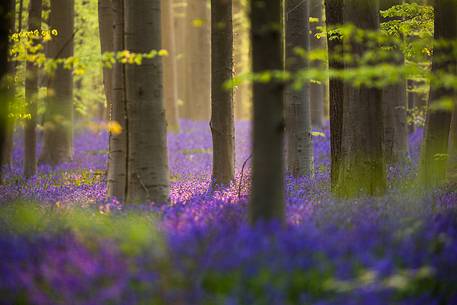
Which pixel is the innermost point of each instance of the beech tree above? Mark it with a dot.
(105, 25)
(267, 193)
(222, 111)
(298, 115)
(317, 91)
(334, 17)
(118, 150)
(5, 26)
(170, 90)
(58, 126)
(31, 95)
(362, 168)
(452, 159)
(147, 173)
(435, 146)
(198, 61)
(395, 104)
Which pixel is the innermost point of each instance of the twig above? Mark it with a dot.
(241, 177)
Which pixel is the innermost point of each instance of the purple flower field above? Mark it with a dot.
(62, 242)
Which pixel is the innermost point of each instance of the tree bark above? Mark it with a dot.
(58, 127)
(5, 28)
(242, 94)
(395, 105)
(334, 17)
(10, 121)
(267, 194)
(105, 23)
(169, 67)
(222, 112)
(118, 148)
(452, 159)
(298, 114)
(363, 170)
(31, 96)
(180, 22)
(317, 91)
(435, 146)
(198, 61)
(148, 178)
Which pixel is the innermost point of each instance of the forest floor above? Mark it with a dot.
(62, 242)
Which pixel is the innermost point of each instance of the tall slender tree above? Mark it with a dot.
(31, 95)
(170, 91)
(105, 26)
(180, 22)
(15, 15)
(198, 61)
(438, 121)
(58, 127)
(317, 91)
(395, 105)
(267, 194)
(5, 27)
(118, 148)
(298, 113)
(148, 178)
(222, 111)
(334, 18)
(452, 160)
(363, 170)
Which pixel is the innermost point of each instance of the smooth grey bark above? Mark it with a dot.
(363, 169)
(433, 165)
(198, 61)
(31, 96)
(118, 148)
(170, 90)
(5, 28)
(334, 18)
(222, 110)
(105, 25)
(395, 105)
(298, 109)
(267, 193)
(317, 91)
(148, 178)
(58, 126)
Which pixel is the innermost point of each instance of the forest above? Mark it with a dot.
(228, 152)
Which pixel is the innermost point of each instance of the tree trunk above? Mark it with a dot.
(317, 91)
(5, 27)
(58, 129)
(298, 116)
(198, 61)
(10, 121)
(31, 96)
(452, 160)
(222, 113)
(105, 23)
(363, 170)
(118, 148)
(170, 90)
(438, 122)
(334, 16)
(180, 22)
(267, 194)
(395, 105)
(242, 94)
(147, 131)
